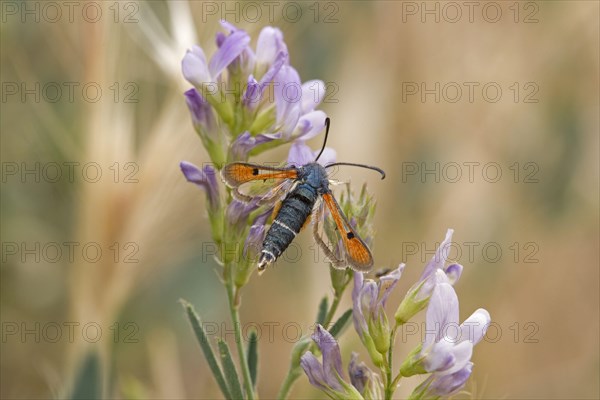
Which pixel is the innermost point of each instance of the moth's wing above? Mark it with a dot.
(357, 253)
(236, 174)
(262, 184)
(317, 218)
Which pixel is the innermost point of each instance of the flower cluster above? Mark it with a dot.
(245, 100)
(329, 375)
(370, 320)
(445, 353)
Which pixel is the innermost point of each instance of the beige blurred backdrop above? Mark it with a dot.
(485, 116)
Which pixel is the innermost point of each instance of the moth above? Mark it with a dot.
(303, 193)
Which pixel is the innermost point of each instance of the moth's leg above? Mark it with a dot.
(335, 182)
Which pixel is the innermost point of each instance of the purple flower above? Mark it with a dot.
(438, 384)
(245, 143)
(256, 90)
(269, 46)
(448, 346)
(295, 117)
(199, 72)
(309, 125)
(300, 154)
(438, 261)
(288, 94)
(256, 234)
(253, 242)
(233, 53)
(363, 379)
(329, 375)
(202, 114)
(359, 373)
(237, 214)
(205, 179)
(244, 63)
(368, 312)
(435, 272)
(313, 93)
(250, 254)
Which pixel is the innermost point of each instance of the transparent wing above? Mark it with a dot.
(318, 218)
(258, 183)
(356, 253)
(349, 249)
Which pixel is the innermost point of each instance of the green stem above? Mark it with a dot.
(233, 296)
(396, 380)
(293, 373)
(390, 385)
(332, 310)
(287, 384)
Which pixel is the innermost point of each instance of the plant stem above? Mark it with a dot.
(233, 296)
(390, 385)
(332, 310)
(396, 380)
(293, 373)
(287, 384)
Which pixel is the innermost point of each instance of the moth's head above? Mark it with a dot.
(314, 174)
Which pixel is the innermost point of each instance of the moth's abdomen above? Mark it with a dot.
(295, 210)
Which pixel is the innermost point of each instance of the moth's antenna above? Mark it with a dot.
(324, 141)
(358, 165)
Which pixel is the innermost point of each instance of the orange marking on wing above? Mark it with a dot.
(359, 255)
(335, 212)
(236, 174)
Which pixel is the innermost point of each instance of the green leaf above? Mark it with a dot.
(341, 323)
(88, 383)
(298, 350)
(206, 349)
(230, 373)
(253, 356)
(323, 305)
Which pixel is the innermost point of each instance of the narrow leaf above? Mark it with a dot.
(253, 356)
(322, 311)
(298, 350)
(341, 323)
(206, 349)
(88, 382)
(230, 373)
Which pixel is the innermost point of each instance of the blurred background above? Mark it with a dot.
(484, 116)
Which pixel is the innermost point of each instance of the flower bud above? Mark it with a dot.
(328, 376)
(410, 305)
(370, 321)
(364, 380)
(379, 328)
(413, 364)
(438, 384)
(339, 279)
